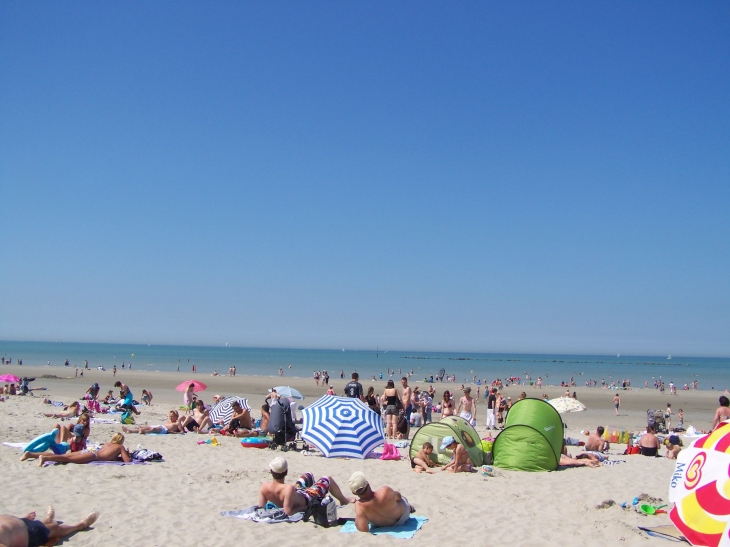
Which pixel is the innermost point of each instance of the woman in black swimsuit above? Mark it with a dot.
(649, 444)
(391, 398)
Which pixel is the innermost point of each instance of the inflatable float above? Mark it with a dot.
(255, 442)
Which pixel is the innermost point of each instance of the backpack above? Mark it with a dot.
(146, 456)
(127, 417)
(324, 514)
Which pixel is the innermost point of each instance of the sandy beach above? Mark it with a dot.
(178, 502)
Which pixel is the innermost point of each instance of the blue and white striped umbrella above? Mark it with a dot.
(342, 427)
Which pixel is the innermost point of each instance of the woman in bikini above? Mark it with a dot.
(390, 398)
(722, 413)
(110, 452)
(447, 405)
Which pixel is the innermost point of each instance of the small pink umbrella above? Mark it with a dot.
(199, 386)
(9, 378)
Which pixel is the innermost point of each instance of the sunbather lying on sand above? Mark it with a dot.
(382, 507)
(586, 459)
(294, 498)
(110, 452)
(29, 532)
(461, 463)
(172, 426)
(71, 411)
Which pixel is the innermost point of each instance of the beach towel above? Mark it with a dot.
(16, 445)
(613, 462)
(103, 421)
(260, 514)
(407, 531)
(133, 462)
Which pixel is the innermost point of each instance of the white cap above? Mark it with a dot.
(279, 465)
(357, 482)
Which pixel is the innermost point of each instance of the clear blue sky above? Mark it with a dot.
(516, 176)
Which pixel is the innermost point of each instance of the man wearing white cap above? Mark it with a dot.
(294, 498)
(383, 507)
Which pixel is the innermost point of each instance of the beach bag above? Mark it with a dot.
(390, 452)
(402, 425)
(323, 514)
(146, 456)
(127, 417)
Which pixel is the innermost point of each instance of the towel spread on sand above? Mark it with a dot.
(407, 531)
(133, 462)
(103, 421)
(259, 514)
(16, 445)
(613, 462)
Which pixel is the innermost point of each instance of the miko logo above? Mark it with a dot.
(694, 471)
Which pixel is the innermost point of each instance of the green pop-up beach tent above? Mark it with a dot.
(532, 439)
(450, 426)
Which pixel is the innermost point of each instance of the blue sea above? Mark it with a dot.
(709, 372)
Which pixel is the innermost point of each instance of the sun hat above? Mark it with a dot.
(357, 482)
(447, 441)
(279, 465)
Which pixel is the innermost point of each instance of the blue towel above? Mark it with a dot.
(407, 531)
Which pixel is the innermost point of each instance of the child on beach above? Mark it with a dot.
(616, 403)
(421, 461)
(680, 417)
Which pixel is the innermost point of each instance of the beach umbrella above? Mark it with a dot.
(700, 488)
(289, 392)
(199, 386)
(10, 378)
(567, 404)
(342, 427)
(222, 412)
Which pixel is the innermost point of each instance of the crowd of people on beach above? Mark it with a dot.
(401, 407)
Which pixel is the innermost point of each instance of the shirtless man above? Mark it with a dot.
(199, 421)
(29, 532)
(723, 411)
(241, 424)
(467, 408)
(595, 442)
(461, 462)
(109, 452)
(295, 498)
(383, 507)
(171, 426)
(406, 399)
